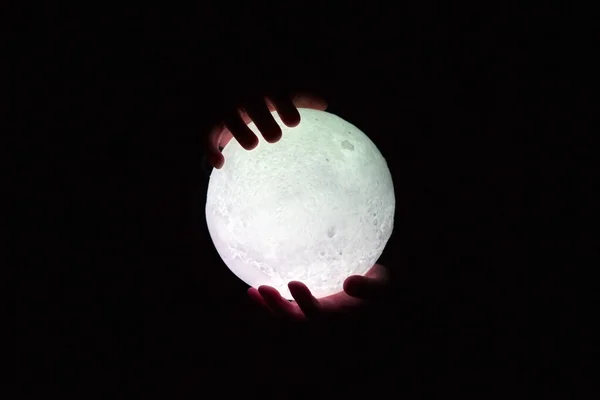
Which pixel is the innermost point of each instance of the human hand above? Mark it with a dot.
(258, 111)
(358, 291)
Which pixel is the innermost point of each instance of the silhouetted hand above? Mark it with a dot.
(235, 123)
(358, 291)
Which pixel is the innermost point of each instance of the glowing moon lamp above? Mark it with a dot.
(316, 207)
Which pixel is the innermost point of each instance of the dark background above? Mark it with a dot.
(477, 110)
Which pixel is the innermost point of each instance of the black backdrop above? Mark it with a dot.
(122, 288)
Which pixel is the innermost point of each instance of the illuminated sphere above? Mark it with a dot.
(316, 207)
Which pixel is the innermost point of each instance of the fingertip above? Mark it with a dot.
(262, 288)
(306, 301)
(217, 160)
(298, 290)
(295, 285)
(271, 297)
(274, 135)
(267, 291)
(279, 305)
(241, 132)
(353, 285)
(274, 140)
(254, 295)
(292, 118)
(287, 111)
(250, 143)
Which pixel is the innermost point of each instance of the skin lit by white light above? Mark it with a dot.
(316, 207)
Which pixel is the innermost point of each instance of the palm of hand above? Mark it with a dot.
(358, 291)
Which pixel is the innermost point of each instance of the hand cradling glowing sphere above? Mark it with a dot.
(315, 207)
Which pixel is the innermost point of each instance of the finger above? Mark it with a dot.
(256, 297)
(278, 305)
(303, 100)
(213, 155)
(264, 121)
(285, 108)
(240, 131)
(363, 287)
(245, 117)
(309, 305)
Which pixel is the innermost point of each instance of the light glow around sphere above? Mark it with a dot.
(315, 207)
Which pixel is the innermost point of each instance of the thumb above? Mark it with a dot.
(365, 288)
